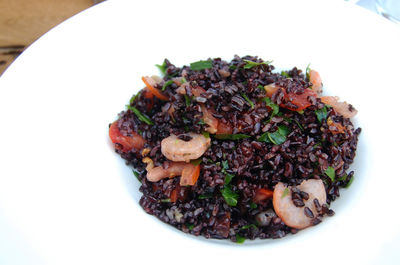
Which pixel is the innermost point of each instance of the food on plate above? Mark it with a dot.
(237, 150)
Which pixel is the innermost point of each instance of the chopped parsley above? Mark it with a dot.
(273, 106)
(162, 67)
(201, 65)
(285, 74)
(196, 162)
(205, 196)
(308, 71)
(228, 178)
(240, 239)
(250, 64)
(330, 172)
(285, 193)
(253, 205)
(133, 98)
(169, 82)
(279, 136)
(188, 100)
(238, 136)
(264, 138)
(206, 134)
(165, 200)
(230, 197)
(140, 116)
(248, 226)
(248, 100)
(322, 114)
(136, 175)
(349, 183)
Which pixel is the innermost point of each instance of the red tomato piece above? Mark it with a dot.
(262, 195)
(125, 143)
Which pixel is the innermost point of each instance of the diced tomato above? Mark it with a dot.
(127, 142)
(174, 195)
(147, 93)
(190, 174)
(178, 194)
(224, 128)
(209, 119)
(149, 84)
(197, 91)
(335, 127)
(300, 100)
(262, 195)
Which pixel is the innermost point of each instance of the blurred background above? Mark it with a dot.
(24, 21)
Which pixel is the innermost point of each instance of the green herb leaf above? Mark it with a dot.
(238, 136)
(249, 226)
(141, 116)
(196, 162)
(240, 239)
(188, 100)
(330, 172)
(225, 165)
(183, 80)
(190, 227)
(308, 71)
(253, 205)
(342, 178)
(349, 183)
(285, 74)
(298, 124)
(279, 136)
(264, 138)
(136, 175)
(230, 196)
(322, 114)
(166, 200)
(205, 196)
(250, 64)
(228, 178)
(169, 82)
(273, 106)
(285, 193)
(248, 100)
(163, 67)
(201, 65)
(206, 134)
(134, 97)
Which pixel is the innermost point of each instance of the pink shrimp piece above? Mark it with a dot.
(292, 215)
(342, 108)
(316, 81)
(179, 150)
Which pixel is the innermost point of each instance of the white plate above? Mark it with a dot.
(67, 198)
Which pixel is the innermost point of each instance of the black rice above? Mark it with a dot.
(308, 149)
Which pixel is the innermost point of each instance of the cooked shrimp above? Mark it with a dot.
(189, 173)
(292, 215)
(179, 150)
(343, 108)
(157, 173)
(209, 119)
(316, 81)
